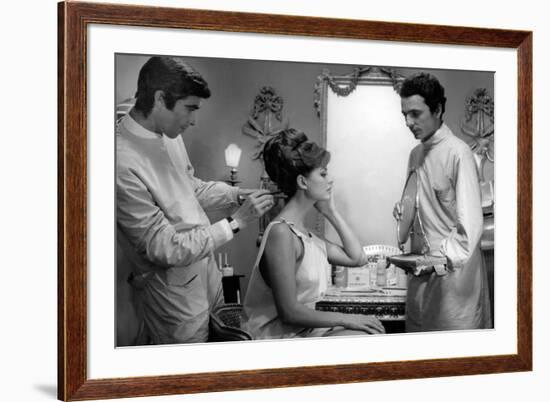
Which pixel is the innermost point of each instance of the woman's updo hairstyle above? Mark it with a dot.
(288, 155)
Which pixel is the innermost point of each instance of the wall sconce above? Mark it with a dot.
(232, 157)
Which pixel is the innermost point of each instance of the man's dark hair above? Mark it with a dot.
(175, 78)
(427, 86)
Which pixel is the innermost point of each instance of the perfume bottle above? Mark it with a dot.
(230, 282)
(227, 270)
(381, 272)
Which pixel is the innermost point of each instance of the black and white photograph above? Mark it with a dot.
(239, 201)
(265, 200)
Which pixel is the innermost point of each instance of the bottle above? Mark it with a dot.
(230, 283)
(339, 276)
(381, 272)
(401, 278)
(371, 266)
(227, 270)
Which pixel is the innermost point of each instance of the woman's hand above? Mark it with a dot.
(326, 207)
(365, 323)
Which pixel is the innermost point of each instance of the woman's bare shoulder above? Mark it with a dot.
(281, 239)
(279, 232)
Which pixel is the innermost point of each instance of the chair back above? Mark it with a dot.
(226, 324)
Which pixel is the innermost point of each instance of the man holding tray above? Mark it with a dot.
(164, 236)
(448, 220)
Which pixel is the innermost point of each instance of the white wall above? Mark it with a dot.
(28, 199)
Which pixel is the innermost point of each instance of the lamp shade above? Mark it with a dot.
(232, 155)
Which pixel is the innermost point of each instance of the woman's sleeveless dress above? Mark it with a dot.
(312, 280)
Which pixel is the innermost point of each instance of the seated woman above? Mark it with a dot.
(292, 270)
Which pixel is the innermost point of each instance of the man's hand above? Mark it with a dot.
(244, 193)
(397, 211)
(256, 203)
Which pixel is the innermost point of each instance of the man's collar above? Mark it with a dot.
(441, 133)
(137, 129)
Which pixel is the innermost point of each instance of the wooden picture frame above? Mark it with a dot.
(73, 20)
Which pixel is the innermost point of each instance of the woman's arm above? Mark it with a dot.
(351, 253)
(279, 269)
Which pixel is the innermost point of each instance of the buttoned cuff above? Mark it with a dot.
(451, 264)
(221, 232)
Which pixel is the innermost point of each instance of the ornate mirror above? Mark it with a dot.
(362, 127)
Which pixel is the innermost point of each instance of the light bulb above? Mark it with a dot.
(232, 155)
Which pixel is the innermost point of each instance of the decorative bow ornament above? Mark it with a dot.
(268, 107)
(478, 123)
